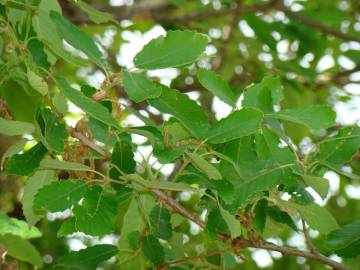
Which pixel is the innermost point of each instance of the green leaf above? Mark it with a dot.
(280, 216)
(26, 163)
(12, 150)
(77, 38)
(184, 109)
(316, 216)
(139, 87)
(95, 15)
(217, 86)
(48, 163)
(216, 224)
(123, 157)
(232, 223)
(204, 166)
(236, 125)
(37, 83)
(353, 55)
(97, 212)
(59, 196)
(89, 106)
(319, 184)
(315, 117)
(14, 128)
(160, 222)
(21, 249)
(262, 29)
(153, 250)
(164, 52)
(67, 228)
(60, 103)
(260, 215)
(263, 95)
(88, 258)
(344, 236)
(17, 227)
(32, 186)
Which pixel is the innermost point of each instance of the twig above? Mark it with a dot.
(80, 136)
(307, 238)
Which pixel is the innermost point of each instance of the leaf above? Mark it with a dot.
(232, 223)
(344, 236)
(262, 29)
(60, 103)
(316, 216)
(260, 215)
(60, 195)
(48, 163)
(95, 15)
(14, 128)
(67, 228)
(281, 216)
(316, 117)
(216, 224)
(12, 150)
(152, 249)
(37, 83)
(160, 222)
(97, 212)
(187, 111)
(204, 166)
(26, 163)
(217, 86)
(123, 157)
(89, 106)
(77, 38)
(17, 227)
(88, 258)
(164, 52)
(32, 186)
(236, 125)
(263, 95)
(319, 184)
(139, 87)
(21, 249)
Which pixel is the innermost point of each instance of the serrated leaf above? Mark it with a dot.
(232, 223)
(40, 179)
(77, 38)
(21, 249)
(152, 249)
(343, 236)
(315, 117)
(88, 258)
(14, 128)
(187, 111)
(26, 163)
(37, 83)
(164, 52)
(319, 184)
(59, 196)
(17, 227)
(236, 125)
(89, 106)
(139, 87)
(49, 163)
(160, 222)
(217, 86)
(123, 157)
(97, 212)
(95, 15)
(204, 166)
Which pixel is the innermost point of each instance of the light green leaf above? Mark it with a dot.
(17, 227)
(177, 48)
(315, 117)
(88, 258)
(14, 128)
(37, 82)
(204, 166)
(217, 86)
(184, 109)
(319, 184)
(97, 212)
(48, 163)
(316, 216)
(343, 236)
(89, 106)
(95, 15)
(33, 184)
(12, 150)
(58, 196)
(60, 103)
(232, 223)
(77, 38)
(236, 125)
(21, 249)
(139, 87)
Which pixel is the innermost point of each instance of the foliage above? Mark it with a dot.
(236, 182)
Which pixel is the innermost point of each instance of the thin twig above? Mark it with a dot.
(307, 238)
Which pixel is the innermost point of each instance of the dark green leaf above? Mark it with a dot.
(123, 157)
(160, 222)
(343, 236)
(280, 216)
(216, 224)
(153, 250)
